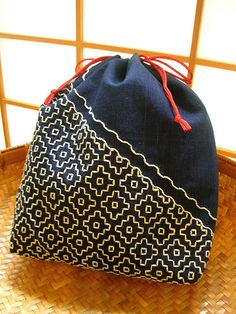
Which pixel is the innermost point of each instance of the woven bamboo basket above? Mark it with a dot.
(35, 286)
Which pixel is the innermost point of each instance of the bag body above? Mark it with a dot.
(110, 182)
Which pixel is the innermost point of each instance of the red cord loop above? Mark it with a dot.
(78, 72)
(155, 64)
(185, 78)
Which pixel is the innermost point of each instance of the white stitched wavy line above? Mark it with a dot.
(144, 158)
(83, 76)
(68, 89)
(150, 180)
(87, 71)
(147, 178)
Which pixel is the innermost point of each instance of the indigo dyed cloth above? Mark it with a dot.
(112, 183)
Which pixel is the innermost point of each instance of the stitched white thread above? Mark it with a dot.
(68, 250)
(84, 75)
(144, 158)
(147, 178)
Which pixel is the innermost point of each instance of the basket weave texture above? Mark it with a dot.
(28, 285)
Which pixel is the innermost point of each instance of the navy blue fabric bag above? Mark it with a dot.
(121, 174)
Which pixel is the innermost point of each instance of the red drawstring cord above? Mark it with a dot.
(78, 72)
(153, 63)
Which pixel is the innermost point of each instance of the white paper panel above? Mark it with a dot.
(31, 70)
(95, 53)
(22, 123)
(151, 24)
(216, 88)
(46, 18)
(2, 141)
(217, 40)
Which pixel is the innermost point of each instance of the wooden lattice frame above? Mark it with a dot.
(80, 44)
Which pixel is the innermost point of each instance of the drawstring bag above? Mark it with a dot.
(121, 174)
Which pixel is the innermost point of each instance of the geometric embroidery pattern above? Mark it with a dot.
(80, 201)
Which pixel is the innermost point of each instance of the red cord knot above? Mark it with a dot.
(155, 64)
(183, 123)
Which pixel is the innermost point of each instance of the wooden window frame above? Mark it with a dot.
(80, 45)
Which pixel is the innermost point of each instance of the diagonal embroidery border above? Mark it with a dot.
(68, 112)
(65, 103)
(167, 179)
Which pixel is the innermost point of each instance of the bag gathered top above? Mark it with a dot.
(121, 173)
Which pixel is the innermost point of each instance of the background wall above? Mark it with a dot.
(41, 42)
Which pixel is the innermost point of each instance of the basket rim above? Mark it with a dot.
(18, 153)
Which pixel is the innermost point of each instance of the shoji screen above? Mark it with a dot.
(41, 42)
